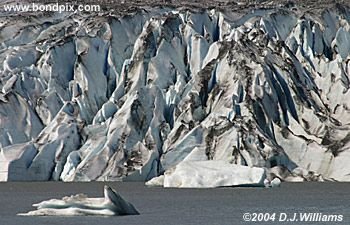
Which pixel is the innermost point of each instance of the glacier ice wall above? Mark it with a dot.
(104, 97)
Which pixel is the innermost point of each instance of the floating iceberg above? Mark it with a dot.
(80, 205)
(207, 174)
(276, 182)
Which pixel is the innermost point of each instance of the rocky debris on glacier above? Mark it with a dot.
(177, 93)
(112, 204)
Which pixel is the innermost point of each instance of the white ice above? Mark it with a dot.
(209, 174)
(80, 205)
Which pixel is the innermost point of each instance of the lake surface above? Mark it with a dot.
(219, 206)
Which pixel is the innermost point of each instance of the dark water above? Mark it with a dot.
(180, 206)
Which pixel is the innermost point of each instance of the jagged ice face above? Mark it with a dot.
(99, 97)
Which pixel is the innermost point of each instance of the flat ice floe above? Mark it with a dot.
(208, 174)
(80, 205)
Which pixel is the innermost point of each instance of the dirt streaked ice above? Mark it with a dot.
(135, 95)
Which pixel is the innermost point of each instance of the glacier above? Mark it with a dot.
(184, 94)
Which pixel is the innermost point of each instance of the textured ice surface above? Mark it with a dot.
(80, 205)
(199, 174)
(105, 97)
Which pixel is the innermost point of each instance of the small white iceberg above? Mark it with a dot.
(80, 205)
(276, 182)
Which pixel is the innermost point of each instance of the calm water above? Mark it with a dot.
(180, 206)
